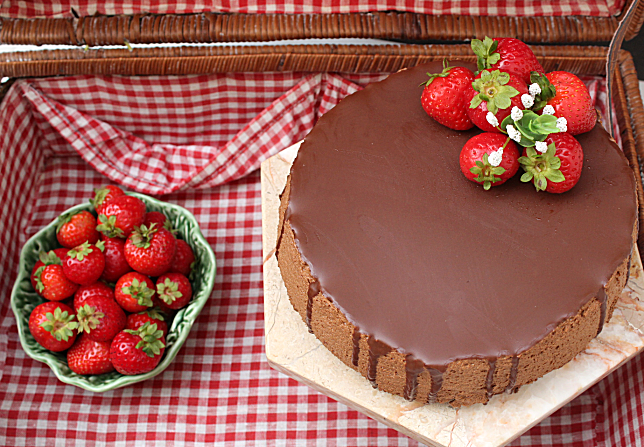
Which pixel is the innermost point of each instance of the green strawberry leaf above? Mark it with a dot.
(59, 324)
(107, 226)
(492, 88)
(49, 258)
(548, 91)
(541, 168)
(81, 251)
(88, 318)
(432, 76)
(485, 52)
(150, 342)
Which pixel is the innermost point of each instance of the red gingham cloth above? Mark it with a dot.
(62, 8)
(198, 141)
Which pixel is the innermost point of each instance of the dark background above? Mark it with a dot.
(636, 48)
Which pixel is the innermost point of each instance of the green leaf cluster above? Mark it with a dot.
(485, 51)
(541, 168)
(548, 91)
(493, 90)
(486, 173)
(532, 127)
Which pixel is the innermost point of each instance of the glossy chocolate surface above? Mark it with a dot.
(428, 262)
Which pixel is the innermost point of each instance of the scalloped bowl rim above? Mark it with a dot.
(199, 301)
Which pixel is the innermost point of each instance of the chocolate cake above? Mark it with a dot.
(431, 287)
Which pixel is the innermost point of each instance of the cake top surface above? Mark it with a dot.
(430, 263)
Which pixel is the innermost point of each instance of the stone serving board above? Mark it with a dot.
(291, 349)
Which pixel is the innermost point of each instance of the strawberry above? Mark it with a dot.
(47, 258)
(483, 161)
(104, 195)
(52, 325)
(558, 169)
(506, 54)
(84, 264)
(184, 258)
(53, 284)
(100, 318)
(163, 307)
(87, 356)
(90, 290)
(115, 263)
(572, 101)
(139, 351)
(152, 316)
(174, 290)
(134, 292)
(495, 92)
(74, 229)
(158, 218)
(120, 215)
(150, 250)
(445, 98)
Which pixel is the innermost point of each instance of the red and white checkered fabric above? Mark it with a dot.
(198, 141)
(62, 8)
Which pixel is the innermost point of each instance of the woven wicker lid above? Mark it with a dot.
(541, 22)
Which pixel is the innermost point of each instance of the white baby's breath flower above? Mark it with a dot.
(495, 157)
(548, 110)
(562, 124)
(534, 89)
(527, 100)
(516, 113)
(513, 133)
(541, 146)
(494, 122)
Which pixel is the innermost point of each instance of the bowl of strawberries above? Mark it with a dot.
(108, 292)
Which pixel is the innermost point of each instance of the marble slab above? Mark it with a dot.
(291, 349)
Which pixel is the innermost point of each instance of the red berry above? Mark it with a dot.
(88, 356)
(120, 215)
(74, 229)
(52, 325)
(506, 54)
(158, 218)
(476, 164)
(134, 292)
(163, 307)
(84, 264)
(47, 258)
(445, 97)
(103, 195)
(100, 318)
(152, 316)
(495, 92)
(137, 352)
(559, 168)
(115, 263)
(150, 250)
(573, 102)
(174, 290)
(184, 258)
(94, 289)
(53, 284)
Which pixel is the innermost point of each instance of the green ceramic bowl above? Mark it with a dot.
(24, 298)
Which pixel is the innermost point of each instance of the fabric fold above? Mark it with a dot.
(162, 168)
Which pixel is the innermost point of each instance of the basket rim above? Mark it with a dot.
(207, 27)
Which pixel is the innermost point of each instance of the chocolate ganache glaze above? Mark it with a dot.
(432, 265)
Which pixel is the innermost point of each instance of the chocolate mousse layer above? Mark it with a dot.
(427, 265)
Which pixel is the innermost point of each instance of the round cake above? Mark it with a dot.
(431, 287)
